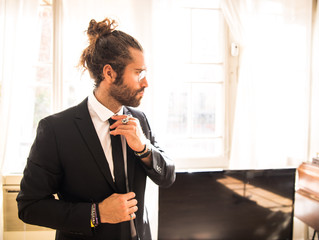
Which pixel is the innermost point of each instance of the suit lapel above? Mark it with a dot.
(86, 127)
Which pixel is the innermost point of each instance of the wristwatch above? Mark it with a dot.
(146, 151)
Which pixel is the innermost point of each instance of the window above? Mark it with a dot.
(194, 131)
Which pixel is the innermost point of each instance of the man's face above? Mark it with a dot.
(131, 91)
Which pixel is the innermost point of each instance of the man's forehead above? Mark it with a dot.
(138, 61)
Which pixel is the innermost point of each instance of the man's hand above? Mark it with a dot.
(118, 208)
(131, 130)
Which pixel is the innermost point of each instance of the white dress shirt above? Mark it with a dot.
(100, 115)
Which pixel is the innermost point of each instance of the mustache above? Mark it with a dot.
(141, 90)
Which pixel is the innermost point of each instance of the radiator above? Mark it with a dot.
(13, 227)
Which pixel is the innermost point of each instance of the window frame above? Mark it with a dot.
(222, 161)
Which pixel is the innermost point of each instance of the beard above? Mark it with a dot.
(125, 95)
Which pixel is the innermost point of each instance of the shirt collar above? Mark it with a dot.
(103, 112)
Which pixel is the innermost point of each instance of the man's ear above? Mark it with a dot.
(108, 73)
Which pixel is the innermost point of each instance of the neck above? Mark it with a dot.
(104, 98)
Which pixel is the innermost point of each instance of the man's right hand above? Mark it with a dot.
(118, 208)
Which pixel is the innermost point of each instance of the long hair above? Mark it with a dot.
(107, 46)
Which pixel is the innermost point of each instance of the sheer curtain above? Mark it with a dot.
(272, 107)
(314, 133)
(18, 52)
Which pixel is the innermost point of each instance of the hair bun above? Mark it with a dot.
(97, 29)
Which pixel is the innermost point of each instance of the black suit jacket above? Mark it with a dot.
(67, 159)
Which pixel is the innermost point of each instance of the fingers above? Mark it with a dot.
(129, 195)
(131, 130)
(118, 208)
(131, 205)
(131, 201)
(122, 120)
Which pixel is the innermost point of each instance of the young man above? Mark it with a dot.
(100, 183)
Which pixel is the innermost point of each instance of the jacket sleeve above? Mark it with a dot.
(163, 169)
(42, 177)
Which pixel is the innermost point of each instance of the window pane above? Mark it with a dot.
(200, 3)
(42, 104)
(202, 73)
(45, 17)
(206, 103)
(44, 74)
(177, 112)
(184, 41)
(76, 86)
(195, 148)
(206, 36)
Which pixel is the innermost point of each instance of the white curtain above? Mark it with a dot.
(20, 38)
(18, 52)
(272, 106)
(314, 133)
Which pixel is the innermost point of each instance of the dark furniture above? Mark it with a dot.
(307, 195)
(228, 204)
